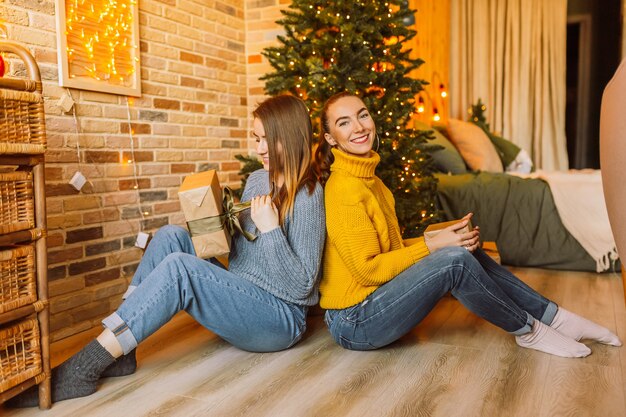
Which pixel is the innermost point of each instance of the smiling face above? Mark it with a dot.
(351, 127)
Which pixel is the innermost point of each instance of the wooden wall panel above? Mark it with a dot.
(432, 44)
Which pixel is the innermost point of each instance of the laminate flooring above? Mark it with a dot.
(452, 364)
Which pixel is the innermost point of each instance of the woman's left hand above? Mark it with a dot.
(473, 239)
(264, 213)
(451, 236)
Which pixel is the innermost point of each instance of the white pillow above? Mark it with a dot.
(475, 146)
(522, 163)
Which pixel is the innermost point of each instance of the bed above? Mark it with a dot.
(519, 214)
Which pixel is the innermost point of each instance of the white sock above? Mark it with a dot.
(545, 339)
(576, 327)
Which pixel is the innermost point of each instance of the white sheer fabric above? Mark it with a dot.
(511, 54)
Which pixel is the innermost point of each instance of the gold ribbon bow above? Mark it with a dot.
(230, 214)
(228, 219)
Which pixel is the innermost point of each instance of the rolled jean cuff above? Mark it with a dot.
(121, 332)
(527, 328)
(548, 315)
(129, 291)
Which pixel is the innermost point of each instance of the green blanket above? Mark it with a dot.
(518, 214)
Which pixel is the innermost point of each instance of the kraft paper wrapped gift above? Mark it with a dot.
(200, 197)
(210, 213)
(435, 228)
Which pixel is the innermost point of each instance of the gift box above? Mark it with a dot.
(435, 228)
(200, 198)
(211, 214)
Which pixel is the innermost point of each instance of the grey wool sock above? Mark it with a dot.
(124, 365)
(76, 377)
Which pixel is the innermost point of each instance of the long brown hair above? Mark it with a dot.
(287, 127)
(323, 156)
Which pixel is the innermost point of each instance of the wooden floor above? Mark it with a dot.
(453, 364)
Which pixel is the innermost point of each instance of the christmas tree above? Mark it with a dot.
(477, 115)
(357, 46)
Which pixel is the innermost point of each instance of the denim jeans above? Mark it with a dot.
(479, 283)
(170, 278)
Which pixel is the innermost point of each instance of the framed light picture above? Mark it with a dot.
(98, 45)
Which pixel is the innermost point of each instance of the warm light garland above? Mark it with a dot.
(99, 41)
(421, 105)
(435, 102)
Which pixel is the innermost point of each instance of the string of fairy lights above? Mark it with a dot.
(129, 161)
(99, 40)
(434, 104)
(100, 46)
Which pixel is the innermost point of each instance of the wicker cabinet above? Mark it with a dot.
(24, 313)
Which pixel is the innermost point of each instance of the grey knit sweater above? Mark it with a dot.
(285, 261)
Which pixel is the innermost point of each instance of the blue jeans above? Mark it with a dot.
(170, 278)
(479, 283)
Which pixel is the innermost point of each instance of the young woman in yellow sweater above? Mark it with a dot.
(377, 287)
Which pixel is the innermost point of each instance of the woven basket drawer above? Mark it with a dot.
(22, 122)
(17, 278)
(17, 210)
(20, 353)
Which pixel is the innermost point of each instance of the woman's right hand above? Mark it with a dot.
(264, 213)
(449, 237)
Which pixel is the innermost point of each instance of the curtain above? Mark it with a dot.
(511, 55)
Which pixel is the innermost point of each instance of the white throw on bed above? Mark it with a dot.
(579, 199)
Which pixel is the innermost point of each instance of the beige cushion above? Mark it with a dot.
(474, 145)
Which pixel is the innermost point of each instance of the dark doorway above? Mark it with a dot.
(593, 55)
(577, 82)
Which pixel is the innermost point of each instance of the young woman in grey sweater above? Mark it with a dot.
(260, 303)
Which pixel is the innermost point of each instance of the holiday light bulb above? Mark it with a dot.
(442, 91)
(436, 116)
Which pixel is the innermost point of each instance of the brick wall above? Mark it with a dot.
(261, 32)
(193, 115)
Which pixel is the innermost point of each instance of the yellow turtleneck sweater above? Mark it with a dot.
(364, 248)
